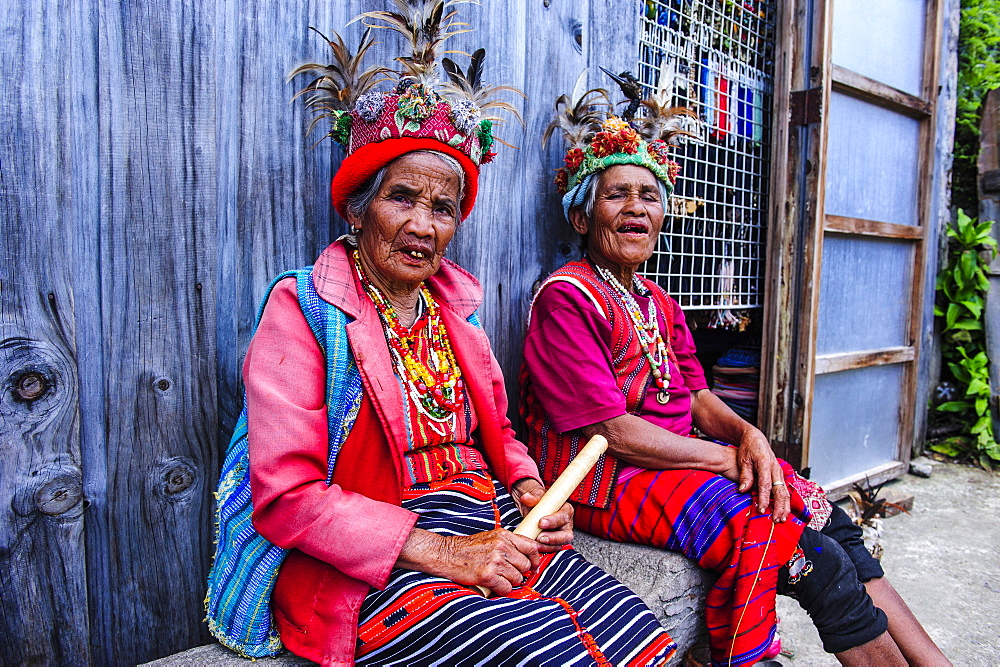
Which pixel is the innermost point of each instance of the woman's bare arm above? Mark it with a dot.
(751, 463)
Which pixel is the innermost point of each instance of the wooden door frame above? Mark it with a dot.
(793, 225)
(798, 223)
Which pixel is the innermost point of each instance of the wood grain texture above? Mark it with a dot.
(272, 185)
(844, 225)
(913, 409)
(929, 359)
(553, 57)
(42, 550)
(775, 392)
(845, 361)
(858, 85)
(158, 258)
(813, 217)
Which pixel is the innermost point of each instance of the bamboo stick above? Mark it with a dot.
(559, 492)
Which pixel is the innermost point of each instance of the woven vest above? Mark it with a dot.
(552, 450)
(245, 567)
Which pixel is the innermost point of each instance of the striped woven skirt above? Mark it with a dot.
(704, 517)
(569, 612)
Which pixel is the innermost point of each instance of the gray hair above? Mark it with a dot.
(591, 196)
(359, 201)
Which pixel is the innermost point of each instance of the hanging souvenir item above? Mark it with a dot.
(744, 105)
(724, 317)
(709, 110)
(758, 107)
(721, 94)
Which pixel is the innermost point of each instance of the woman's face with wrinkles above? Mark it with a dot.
(627, 217)
(410, 223)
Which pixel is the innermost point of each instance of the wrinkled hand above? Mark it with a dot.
(557, 529)
(755, 469)
(497, 559)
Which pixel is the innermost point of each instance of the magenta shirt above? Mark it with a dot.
(567, 350)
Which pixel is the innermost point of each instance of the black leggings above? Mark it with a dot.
(828, 584)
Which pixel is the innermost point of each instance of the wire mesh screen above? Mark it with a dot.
(717, 57)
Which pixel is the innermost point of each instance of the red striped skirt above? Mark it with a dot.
(704, 517)
(569, 612)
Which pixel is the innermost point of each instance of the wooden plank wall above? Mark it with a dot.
(42, 542)
(153, 178)
(929, 358)
(989, 209)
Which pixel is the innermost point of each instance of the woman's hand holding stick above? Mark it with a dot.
(560, 491)
(496, 561)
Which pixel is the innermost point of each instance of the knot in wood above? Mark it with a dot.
(163, 384)
(176, 479)
(30, 386)
(59, 495)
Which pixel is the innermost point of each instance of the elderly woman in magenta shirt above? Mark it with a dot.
(387, 529)
(608, 352)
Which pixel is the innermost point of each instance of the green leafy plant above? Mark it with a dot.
(961, 289)
(978, 73)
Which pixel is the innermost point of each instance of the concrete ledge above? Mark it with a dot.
(217, 655)
(672, 586)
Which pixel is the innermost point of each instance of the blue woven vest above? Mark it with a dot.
(246, 565)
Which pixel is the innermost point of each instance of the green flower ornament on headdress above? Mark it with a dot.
(599, 139)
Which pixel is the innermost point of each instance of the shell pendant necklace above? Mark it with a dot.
(647, 329)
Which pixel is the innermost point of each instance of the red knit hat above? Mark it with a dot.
(365, 162)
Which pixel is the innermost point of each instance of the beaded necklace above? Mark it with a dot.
(654, 348)
(435, 387)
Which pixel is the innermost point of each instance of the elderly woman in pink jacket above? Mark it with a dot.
(384, 476)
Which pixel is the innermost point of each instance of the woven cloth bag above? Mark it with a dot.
(246, 565)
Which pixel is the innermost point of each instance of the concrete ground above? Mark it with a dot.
(943, 558)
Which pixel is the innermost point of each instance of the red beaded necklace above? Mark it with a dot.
(657, 351)
(434, 387)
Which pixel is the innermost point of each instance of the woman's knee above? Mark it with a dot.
(821, 575)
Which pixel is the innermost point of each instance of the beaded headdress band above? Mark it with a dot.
(453, 116)
(599, 139)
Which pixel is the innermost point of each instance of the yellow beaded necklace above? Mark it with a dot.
(433, 387)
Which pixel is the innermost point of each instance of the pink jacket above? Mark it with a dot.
(353, 539)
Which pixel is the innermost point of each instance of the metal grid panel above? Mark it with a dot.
(717, 55)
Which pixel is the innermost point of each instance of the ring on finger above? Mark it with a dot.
(778, 483)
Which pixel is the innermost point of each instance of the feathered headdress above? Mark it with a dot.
(422, 111)
(599, 139)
